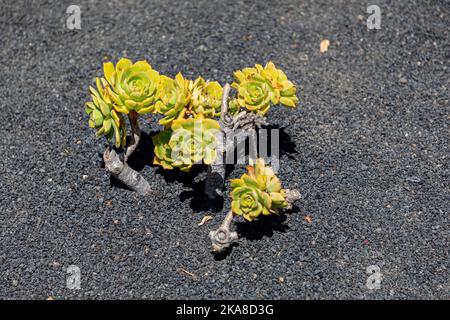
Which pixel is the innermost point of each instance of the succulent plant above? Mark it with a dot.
(163, 152)
(174, 97)
(259, 87)
(134, 86)
(285, 90)
(103, 116)
(188, 141)
(181, 98)
(233, 107)
(206, 97)
(255, 94)
(257, 192)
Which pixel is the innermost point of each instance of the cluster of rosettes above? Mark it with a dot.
(260, 87)
(187, 142)
(181, 98)
(257, 192)
(137, 88)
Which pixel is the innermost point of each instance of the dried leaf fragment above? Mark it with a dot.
(205, 220)
(308, 219)
(324, 44)
(184, 271)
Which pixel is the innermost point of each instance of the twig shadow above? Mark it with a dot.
(224, 254)
(199, 200)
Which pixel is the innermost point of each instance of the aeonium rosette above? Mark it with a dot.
(103, 115)
(259, 87)
(187, 142)
(134, 85)
(257, 192)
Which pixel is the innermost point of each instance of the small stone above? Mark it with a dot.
(84, 176)
(202, 47)
(414, 179)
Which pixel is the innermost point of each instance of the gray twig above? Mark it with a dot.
(124, 173)
(135, 134)
(237, 127)
(222, 238)
(119, 168)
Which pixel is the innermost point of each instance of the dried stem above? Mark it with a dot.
(135, 134)
(292, 195)
(119, 168)
(237, 127)
(216, 172)
(124, 173)
(224, 106)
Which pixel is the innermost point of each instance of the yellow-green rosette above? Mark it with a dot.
(206, 97)
(255, 94)
(187, 142)
(257, 192)
(174, 97)
(260, 87)
(103, 116)
(284, 90)
(134, 85)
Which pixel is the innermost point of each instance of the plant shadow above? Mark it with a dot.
(264, 226)
(199, 200)
(258, 229)
(286, 144)
(144, 153)
(219, 256)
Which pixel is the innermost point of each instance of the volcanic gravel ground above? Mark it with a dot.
(367, 147)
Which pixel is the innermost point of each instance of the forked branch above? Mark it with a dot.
(234, 128)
